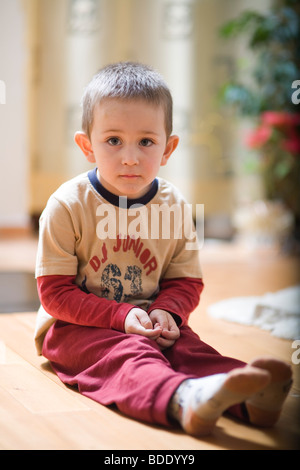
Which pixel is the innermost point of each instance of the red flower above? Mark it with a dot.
(280, 119)
(258, 137)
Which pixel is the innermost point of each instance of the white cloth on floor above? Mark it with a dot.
(277, 312)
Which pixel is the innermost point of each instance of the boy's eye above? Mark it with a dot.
(146, 142)
(114, 141)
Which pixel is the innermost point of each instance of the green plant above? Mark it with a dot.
(266, 95)
(277, 137)
(274, 40)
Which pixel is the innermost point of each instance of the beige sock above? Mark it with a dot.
(264, 408)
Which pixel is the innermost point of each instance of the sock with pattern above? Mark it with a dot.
(198, 403)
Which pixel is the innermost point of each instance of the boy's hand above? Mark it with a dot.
(159, 326)
(169, 330)
(138, 322)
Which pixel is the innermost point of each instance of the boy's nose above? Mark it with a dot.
(129, 156)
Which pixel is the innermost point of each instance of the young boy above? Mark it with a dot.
(117, 283)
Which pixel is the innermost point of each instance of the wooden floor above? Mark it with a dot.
(38, 412)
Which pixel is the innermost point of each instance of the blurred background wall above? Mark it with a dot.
(49, 49)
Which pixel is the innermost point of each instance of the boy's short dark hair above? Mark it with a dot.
(126, 80)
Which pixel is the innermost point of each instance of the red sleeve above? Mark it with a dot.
(178, 296)
(64, 300)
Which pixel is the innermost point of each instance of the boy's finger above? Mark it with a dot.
(149, 333)
(171, 334)
(165, 343)
(145, 327)
(146, 322)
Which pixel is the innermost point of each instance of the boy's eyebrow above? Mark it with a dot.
(120, 130)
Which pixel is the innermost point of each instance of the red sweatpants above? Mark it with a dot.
(129, 370)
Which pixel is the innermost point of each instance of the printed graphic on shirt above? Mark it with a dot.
(116, 281)
(113, 280)
(125, 245)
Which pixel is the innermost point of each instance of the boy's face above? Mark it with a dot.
(128, 143)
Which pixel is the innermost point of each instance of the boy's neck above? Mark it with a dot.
(121, 201)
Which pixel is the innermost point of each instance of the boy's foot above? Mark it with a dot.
(265, 406)
(198, 403)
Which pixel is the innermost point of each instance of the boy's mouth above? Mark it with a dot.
(129, 176)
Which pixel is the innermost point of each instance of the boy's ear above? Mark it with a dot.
(85, 145)
(170, 147)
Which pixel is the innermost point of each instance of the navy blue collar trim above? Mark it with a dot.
(124, 202)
